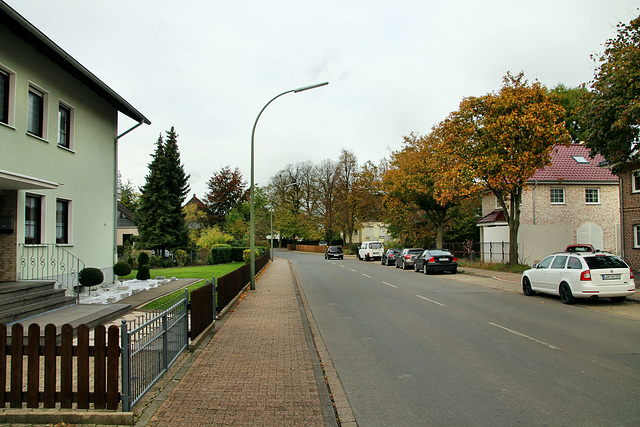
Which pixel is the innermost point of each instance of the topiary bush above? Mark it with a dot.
(143, 259)
(121, 269)
(220, 255)
(90, 276)
(143, 273)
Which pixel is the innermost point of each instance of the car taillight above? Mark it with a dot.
(454, 259)
(407, 256)
(585, 275)
(631, 274)
(432, 259)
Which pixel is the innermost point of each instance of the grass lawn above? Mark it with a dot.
(518, 268)
(205, 272)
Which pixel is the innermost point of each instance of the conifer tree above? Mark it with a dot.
(160, 219)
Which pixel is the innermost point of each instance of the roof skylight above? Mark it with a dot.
(580, 159)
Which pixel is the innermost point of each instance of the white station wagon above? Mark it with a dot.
(574, 275)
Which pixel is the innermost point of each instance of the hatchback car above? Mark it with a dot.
(433, 260)
(333, 252)
(390, 256)
(407, 256)
(574, 275)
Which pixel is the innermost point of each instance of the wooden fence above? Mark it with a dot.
(45, 360)
(202, 309)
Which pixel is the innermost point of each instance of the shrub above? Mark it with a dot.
(246, 255)
(90, 276)
(121, 269)
(143, 273)
(220, 255)
(143, 259)
(182, 257)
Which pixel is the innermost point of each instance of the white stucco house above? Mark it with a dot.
(58, 161)
(571, 201)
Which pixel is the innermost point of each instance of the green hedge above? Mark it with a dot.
(225, 254)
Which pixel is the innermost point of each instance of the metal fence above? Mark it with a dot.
(490, 252)
(51, 262)
(150, 346)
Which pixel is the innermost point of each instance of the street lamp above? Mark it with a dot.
(252, 222)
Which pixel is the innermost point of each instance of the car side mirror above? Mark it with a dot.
(534, 265)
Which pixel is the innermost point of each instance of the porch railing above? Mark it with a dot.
(51, 262)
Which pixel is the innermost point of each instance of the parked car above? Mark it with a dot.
(407, 257)
(333, 252)
(432, 260)
(390, 256)
(573, 275)
(370, 250)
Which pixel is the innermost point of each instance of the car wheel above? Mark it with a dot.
(415, 268)
(424, 269)
(618, 299)
(454, 271)
(565, 294)
(526, 287)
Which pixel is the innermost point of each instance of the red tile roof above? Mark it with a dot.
(495, 216)
(565, 168)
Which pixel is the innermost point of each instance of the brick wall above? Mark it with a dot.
(630, 217)
(8, 242)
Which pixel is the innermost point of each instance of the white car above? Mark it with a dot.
(371, 250)
(574, 275)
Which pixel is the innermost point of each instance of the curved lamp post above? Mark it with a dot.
(252, 222)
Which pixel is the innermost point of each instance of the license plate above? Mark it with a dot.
(611, 277)
(443, 259)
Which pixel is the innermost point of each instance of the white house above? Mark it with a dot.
(58, 161)
(573, 200)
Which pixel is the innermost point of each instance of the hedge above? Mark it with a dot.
(225, 254)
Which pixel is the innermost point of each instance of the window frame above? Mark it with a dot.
(43, 120)
(551, 196)
(7, 117)
(36, 212)
(63, 223)
(636, 236)
(586, 196)
(635, 185)
(68, 126)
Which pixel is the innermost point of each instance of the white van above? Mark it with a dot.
(370, 250)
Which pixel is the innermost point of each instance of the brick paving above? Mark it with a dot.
(256, 370)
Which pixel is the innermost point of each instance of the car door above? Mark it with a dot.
(538, 276)
(555, 274)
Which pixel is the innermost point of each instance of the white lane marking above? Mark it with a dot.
(430, 300)
(366, 276)
(389, 284)
(520, 334)
(341, 265)
(352, 270)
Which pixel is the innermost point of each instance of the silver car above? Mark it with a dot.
(407, 257)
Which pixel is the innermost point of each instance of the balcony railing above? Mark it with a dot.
(51, 262)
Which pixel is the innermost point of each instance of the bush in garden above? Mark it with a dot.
(246, 255)
(143, 273)
(220, 255)
(90, 276)
(182, 257)
(143, 259)
(121, 269)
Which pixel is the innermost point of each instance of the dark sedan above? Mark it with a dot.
(390, 256)
(436, 260)
(333, 252)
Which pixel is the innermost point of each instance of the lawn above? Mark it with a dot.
(200, 272)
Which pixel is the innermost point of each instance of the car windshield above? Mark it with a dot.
(335, 249)
(415, 252)
(604, 261)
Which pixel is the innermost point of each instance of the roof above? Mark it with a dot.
(195, 201)
(495, 216)
(31, 35)
(573, 163)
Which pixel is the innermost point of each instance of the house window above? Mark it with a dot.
(4, 97)
(635, 181)
(557, 195)
(636, 236)
(64, 126)
(33, 220)
(62, 221)
(35, 113)
(592, 196)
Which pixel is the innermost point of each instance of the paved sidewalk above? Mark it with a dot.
(256, 370)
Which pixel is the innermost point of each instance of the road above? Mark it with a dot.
(418, 350)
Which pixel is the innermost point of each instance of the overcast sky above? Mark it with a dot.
(394, 67)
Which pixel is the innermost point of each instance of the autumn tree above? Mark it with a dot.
(326, 174)
(611, 113)
(347, 212)
(498, 141)
(571, 99)
(227, 188)
(129, 196)
(160, 219)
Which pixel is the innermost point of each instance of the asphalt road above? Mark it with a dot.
(421, 350)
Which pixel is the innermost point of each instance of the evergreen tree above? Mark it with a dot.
(160, 219)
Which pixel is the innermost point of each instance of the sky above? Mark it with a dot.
(394, 67)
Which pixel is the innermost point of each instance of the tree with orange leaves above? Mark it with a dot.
(498, 141)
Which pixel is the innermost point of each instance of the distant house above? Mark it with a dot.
(126, 228)
(573, 200)
(369, 232)
(199, 206)
(59, 148)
